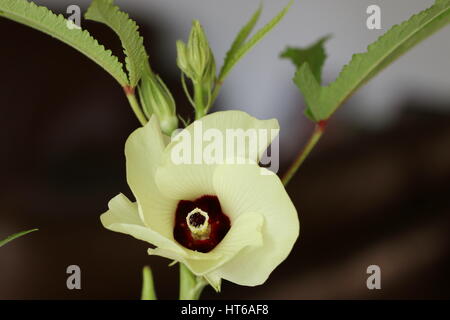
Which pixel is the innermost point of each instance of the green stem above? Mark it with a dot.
(303, 154)
(135, 106)
(148, 288)
(199, 100)
(191, 286)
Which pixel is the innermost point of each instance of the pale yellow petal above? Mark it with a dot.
(222, 136)
(121, 210)
(143, 150)
(197, 262)
(123, 217)
(249, 188)
(185, 182)
(214, 280)
(245, 232)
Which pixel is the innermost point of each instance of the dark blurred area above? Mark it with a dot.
(364, 197)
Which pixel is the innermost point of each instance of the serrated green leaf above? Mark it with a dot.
(242, 48)
(44, 20)
(15, 236)
(322, 101)
(104, 11)
(314, 55)
(241, 37)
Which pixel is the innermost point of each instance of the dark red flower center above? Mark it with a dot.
(200, 224)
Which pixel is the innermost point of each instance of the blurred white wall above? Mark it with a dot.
(261, 84)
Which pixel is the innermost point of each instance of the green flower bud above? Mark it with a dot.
(196, 59)
(198, 51)
(156, 98)
(182, 59)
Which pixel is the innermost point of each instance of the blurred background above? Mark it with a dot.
(375, 191)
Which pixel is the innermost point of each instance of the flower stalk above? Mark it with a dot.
(200, 109)
(130, 93)
(304, 153)
(191, 286)
(148, 289)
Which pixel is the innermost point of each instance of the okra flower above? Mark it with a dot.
(227, 219)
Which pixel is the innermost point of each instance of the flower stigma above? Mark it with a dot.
(198, 222)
